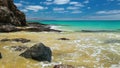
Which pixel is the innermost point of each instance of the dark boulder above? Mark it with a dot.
(63, 66)
(19, 48)
(38, 52)
(9, 14)
(0, 56)
(63, 39)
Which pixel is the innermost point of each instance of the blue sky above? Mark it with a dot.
(70, 9)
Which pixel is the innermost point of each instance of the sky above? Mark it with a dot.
(70, 9)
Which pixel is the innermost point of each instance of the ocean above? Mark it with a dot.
(112, 25)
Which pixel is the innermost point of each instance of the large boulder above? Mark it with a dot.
(9, 14)
(38, 52)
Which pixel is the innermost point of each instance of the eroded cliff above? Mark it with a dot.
(9, 14)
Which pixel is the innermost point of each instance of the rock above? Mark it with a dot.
(39, 27)
(38, 52)
(97, 31)
(63, 66)
(8, 28)
(63, 39)
(0, 56)
(36, 24)
(22, 40)
(18, 48)
(9, 14)
(4, 40)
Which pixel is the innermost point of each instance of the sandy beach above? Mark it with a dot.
(83, 50)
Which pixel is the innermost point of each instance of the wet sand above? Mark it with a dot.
(83, 50)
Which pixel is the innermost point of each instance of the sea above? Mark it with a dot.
(80, 25)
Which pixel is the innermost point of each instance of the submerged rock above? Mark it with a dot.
(9, 14)
(63, 39)
(0, 56)
(19, 48)
(63, 66)
(97, 31)
(38, 52)
(22, 40)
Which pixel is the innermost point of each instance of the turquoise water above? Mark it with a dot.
(85, 25)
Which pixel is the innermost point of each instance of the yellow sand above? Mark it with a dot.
(83, 50)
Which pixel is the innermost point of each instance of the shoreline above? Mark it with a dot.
(65, 30)
(81, 50)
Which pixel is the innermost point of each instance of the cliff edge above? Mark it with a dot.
(9, 14)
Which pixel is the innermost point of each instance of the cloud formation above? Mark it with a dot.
(109, 12)
(18, 4)
(58, 9)
(35, 8)
(61, 1)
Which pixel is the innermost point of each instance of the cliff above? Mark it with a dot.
(9, 14)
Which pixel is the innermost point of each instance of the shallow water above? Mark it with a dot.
(83, 50)
(85, 25)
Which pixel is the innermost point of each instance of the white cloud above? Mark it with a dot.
(109, 12)
(24, 2)
(88, 7)
(61, 11)
(73, 3)
(58, 9)
(48, 0)
(110, 0)
(76, 4)
(18, 4)
(61, 1)
(72, 8)
(77, 11)
(48, 3)
(79, 5)
(87, 1)
(118, 3)
(24, 10)
(35, 8)
(105, 17)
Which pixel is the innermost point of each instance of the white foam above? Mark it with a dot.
(44, 65)
(55, 27)
(115, 66)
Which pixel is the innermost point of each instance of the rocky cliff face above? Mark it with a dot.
(9, 14)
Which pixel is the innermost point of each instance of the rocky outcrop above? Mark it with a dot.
(8, 28)
(39, 27)
(31, 27)
(22, 40)
(63, 66)
(9, 14)
(38, 52)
